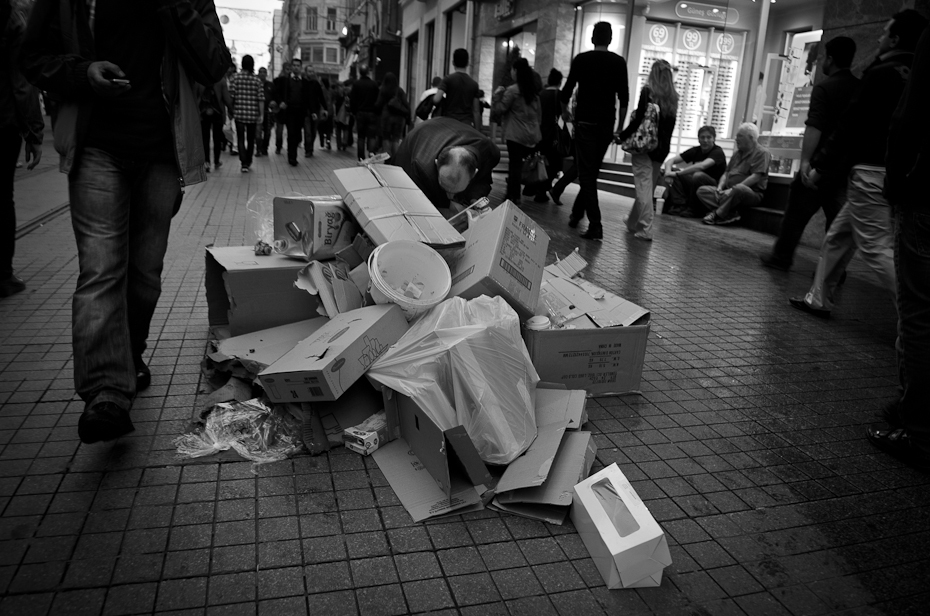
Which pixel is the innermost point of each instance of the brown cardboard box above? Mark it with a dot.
(324, 365)
(602, 347)
(388, 206)
(504, 254)
(247, 293)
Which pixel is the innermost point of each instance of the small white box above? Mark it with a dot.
(626, 543)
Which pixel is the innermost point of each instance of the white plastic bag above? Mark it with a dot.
(464, 363)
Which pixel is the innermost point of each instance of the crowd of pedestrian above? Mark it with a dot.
(136, 110)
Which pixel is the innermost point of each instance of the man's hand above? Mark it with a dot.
(282, 106)
(101, 76)
(313, 116)
(809, 176)
(33, 152)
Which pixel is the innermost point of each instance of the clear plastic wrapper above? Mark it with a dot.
(256, 431)
(261, 217)
(464, 363)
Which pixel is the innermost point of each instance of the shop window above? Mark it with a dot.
(317, 55)
(331, 19)
(430, 50)
(304, 54)
(522, 44)
(311, 19)
(614, 13)
(331, 55)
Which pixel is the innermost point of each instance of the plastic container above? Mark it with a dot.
(409, 274)
(538, 323)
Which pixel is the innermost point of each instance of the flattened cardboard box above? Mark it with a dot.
(249, 293)
(247, 355)
(504, 254)
(324, 365)
(600, 350)
(387, 204)
(628, 546)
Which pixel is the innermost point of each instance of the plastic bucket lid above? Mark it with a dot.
(409, 274)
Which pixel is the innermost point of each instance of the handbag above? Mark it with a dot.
(534, 169)
(646, 136)
(425, 108)
(564, 144)
(398, 106)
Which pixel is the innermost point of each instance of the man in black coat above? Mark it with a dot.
(362, 101)
(292, 96)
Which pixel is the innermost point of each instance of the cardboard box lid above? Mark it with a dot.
(585, 305)
(553, 400)
(258, 350)
(449, 456)
(389, 206)
(418, 493)
(640, 552)
(565, 267)
(550, 501)
(317, 351)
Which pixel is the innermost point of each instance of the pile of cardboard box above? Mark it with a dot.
(265, 312)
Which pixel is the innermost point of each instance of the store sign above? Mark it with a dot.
(659, 35)
(691, 39)
(707, 13)
(504, 9)
(726, 46)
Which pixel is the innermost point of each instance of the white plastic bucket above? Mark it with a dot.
(409, 274)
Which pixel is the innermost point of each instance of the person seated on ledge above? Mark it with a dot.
(699, 166)
(742, 184)
(449, 161)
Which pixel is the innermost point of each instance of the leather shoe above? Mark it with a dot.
(800, 304)
(573, 222)
(143, 376)
(556, 196)
(103, 421)
(897, 442)
(772, 262)
(592, 234)
(12, 285)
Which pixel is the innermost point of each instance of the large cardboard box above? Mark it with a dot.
(247, 293)
(324, 365)
(601, 347)
(246, 355)
(538, 484)
(505, 252)
(627, 544)
(389, 206)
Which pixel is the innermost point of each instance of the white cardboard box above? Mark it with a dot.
(505, 252)
(248, 293)
(322, 226)
(628, 546)
(388, 205)
(324, 365)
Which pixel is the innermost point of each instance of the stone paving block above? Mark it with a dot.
(280, 582)
(327, 577)
(130, 599)
(381, 601)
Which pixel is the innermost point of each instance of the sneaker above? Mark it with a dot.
(277, 150)
(714, 219)
(642, 235)
(207, 167)
(143, 375)
(218, 164)
(801, 304)
(11, 286)
(244, 169)
(308, 154)
(103, 421)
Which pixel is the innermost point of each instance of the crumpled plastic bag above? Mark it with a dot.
(254, 430)
(261, 217)
(464, 363)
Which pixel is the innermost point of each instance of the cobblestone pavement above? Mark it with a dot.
(746, 444)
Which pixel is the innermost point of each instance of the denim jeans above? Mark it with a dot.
(912, 266)
(121, 213)
(682, 192)
(645, 175)
(591, 143)
(516, 152)
(729, 204)
(245, 133)
(310, 126)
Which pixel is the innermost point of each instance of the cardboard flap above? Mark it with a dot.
(550, 514)
(532, 467)
(567, 300)
(462, 447)
(646, 561)
(572, 464)
(260, 349)
(569, 405)
(568, 266)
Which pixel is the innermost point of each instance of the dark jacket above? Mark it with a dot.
(861, 137)
(19, 101)
(418, 152)
(59, 48)
(666, 126)
(550, 112)
(907, 161)
(316, 101)
(364, 96)
(282, 94)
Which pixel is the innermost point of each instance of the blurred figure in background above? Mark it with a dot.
(395, 114)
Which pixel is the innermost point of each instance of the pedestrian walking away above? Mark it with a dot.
(131, 131)
(248, 106)
(601, 78)
(518, 107)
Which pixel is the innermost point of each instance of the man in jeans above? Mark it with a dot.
(602, 82)
(865, 223)
(362, 101)
(906, 433)
(828, 100)
(248, 104)
(129, 137)
(742, 185)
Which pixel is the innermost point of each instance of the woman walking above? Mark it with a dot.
(395, 113)
(518, 106)
(659, 89)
